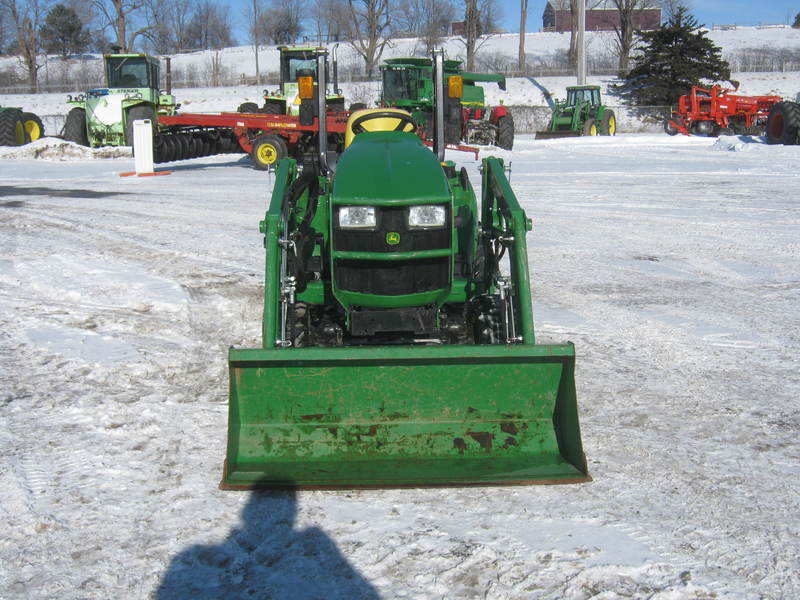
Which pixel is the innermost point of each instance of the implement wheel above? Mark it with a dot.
(268, 150)
(783, 123)
(75, 127)
(12, 128)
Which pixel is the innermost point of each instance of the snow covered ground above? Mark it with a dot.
(672, 263)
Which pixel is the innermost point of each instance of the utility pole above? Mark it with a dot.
(255, 40)
(581, 42)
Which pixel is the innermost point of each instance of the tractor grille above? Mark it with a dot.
(392, 277)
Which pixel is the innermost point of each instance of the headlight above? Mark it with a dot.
(357, 217)
(428, 215)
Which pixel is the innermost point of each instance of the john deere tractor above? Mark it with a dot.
(18, 127)
(296, 61)
(408, 84)
(398, 343)
(105, 116)
(582, 113)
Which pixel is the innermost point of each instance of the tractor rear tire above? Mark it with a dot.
(590, 127)
(783, 123)
(669, 127)
(12, 128)
(135, 114)
(505, 132)
(609, 123)
(272, 108)
(358, 106)
(248, 107)
(75, 127)
(267, 151)
(34, 129)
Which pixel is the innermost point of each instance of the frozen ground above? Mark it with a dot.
(672, 263)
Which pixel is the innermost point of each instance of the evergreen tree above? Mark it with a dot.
(673, 59)
(796, 23)
(63, 32)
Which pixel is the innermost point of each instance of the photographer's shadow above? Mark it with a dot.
(266, 559)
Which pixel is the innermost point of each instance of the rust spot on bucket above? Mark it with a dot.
(334, 431)
(484, 438)
(509, 428)
(510, 441)
(460, 445)
(312, 417)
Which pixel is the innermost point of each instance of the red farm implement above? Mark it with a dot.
(718, 111)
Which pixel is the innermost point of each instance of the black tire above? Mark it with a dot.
(703, 128)
(12, 127)
(137, 113)
(273, 108)
(34, 129)
(783, 123)
(669, 127)
(505, 132)
(358, 106)
(609, 123)
(589, 127)
(75, 127)
(267, 151)
(248, 107)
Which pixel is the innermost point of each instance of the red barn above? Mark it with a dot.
(601, 15)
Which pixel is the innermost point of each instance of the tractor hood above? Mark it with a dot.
(389, 167)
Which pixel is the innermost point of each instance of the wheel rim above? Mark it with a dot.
(593, 130)
(612, 126)
(267, 154)
(33, 130)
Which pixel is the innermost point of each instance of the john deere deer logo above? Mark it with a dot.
(393, 238)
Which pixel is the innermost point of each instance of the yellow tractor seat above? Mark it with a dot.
(385, 122)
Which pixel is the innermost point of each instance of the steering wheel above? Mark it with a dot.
(404, 118)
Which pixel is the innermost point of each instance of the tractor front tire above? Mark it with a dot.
(669, 127)
(34, 129)
(248, 107)
(137, 113)
(609, 123)
(75, 127)
(267, 151)
(783, 123)
(12, 127)
(590, 127)
(505, 132)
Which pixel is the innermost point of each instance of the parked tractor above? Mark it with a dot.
(398, 340)
(408, 84)
(582, 113)
(18, 127)
(783, 123)
(105, 116)
(295, 62)
(718, 111)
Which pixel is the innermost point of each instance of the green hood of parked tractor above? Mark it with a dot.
(388, 167)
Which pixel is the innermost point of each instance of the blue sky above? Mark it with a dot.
(707, 12)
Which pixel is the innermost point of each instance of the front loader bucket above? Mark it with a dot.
(548, 135)
(403, 416)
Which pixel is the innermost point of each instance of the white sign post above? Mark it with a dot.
(143, 146)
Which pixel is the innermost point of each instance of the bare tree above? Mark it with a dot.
(670, 7)
(629, 22)
(523, 16)
(480, 20)
(573, 39)
(330, 20)
(281, 23)
(26, 18)
(253, 11)
(119, 15)
(210, 27)
(428, 20)
(370, 29)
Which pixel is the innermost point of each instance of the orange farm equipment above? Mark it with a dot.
(718, 111)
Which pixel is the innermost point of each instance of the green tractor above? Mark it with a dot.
(398, 343)
(105, 116)
(18, 127)
(582, 113)
(296, 62)
(408, 84)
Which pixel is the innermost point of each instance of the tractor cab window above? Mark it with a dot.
(298, 63)
(400, 84)
(131, 72)
(576, 96)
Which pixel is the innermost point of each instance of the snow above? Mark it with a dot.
(670, 262)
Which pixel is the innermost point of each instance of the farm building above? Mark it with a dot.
(601, 15)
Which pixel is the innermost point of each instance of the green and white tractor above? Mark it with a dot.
(582, 113)
(296, 62)
(105, 116)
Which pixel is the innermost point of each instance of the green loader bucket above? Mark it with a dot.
(403, 416)
(547, 135)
